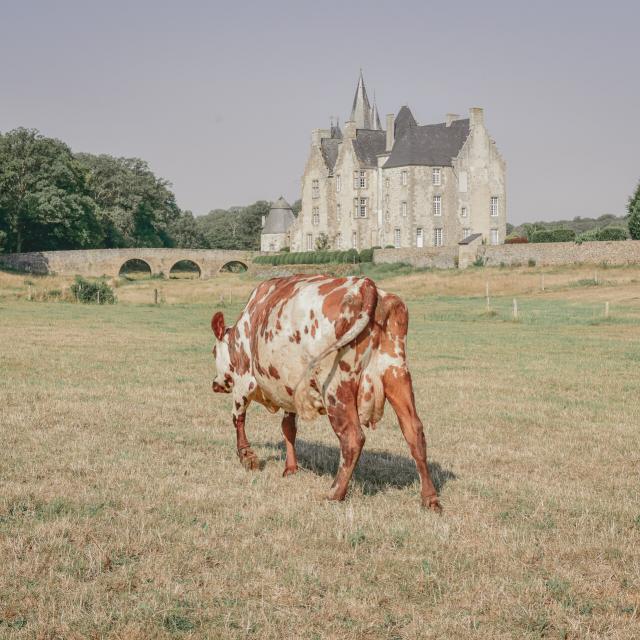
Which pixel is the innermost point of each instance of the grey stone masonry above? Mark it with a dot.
(99, 262)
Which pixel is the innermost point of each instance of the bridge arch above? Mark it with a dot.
(135, 268)
(185, 268)
(233, 266)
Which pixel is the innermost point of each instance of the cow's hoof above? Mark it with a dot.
(432, 503)
(289, 471)
(249, 460)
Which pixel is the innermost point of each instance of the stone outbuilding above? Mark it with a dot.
(275, 228)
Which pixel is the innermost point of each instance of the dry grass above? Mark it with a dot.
(125, 514)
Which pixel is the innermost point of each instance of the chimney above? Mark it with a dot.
(476, 117)
(390, 140)
(451, 117)
(264, 218)
(349, 129)
(317, 135)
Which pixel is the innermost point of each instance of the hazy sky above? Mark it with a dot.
(220, 97)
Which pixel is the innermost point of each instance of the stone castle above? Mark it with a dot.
(409, 186)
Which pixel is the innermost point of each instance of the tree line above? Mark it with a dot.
(53, 199)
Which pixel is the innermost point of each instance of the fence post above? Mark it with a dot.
(606, 309)
(29, 295)
(98, 296)
(515, 309)
(155, 296)
(486, 292)
(542, 282)
(595, 277)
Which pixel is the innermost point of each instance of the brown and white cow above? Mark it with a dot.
(317, 345)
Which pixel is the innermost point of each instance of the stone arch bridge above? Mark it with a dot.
(108, 262)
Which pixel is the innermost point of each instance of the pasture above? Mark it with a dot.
(124, 512)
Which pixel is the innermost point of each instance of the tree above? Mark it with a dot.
(236, 228)
(185, 233)
(44, 200)
(135, 208)
(296, 207)
(634, 214)
(322, 242)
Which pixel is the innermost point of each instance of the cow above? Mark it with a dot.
(318, 345)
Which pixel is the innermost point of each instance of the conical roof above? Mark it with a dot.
(280, 217)
(404, 121)
(361, 110)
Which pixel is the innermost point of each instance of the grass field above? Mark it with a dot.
(124, 512)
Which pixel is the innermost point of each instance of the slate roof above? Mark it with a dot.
(470, 239)
(404, 121)
(430, 145)
(330, 148)
(368, 144)
(361, 109)
(279, 218)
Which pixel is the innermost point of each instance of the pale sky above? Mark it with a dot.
(220, 98)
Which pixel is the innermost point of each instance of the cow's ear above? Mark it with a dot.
(217, 324)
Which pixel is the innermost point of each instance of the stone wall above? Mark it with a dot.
(430, 257)
(559, 253)
(543, 254)
(99, 262)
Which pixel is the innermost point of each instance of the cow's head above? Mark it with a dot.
(223, 382)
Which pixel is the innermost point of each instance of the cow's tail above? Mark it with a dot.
(308, 396)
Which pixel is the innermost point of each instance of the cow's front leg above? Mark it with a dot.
(289, 431)
(248, 458)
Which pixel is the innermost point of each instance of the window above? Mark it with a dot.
(338, 183)
(403, 209)
(494, 206)
(466, 232)
(437, 205)
(339, 241)
(316, 216)
(360, 180)
(396, 238)
(404, 178)
(361, 208)
(309, 242)
(315, 188)
(464, 212)
(386, 183)
(419, 237)
(436, 176)
(494, 236)
(339, 212)
(437, 238)
(354, 240)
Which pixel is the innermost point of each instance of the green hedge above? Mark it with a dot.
(97, 291)
(553, 235)
(612, 233)
(316, 257)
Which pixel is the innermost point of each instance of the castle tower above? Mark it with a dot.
(361, 110)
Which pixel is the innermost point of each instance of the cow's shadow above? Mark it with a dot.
(376, 470)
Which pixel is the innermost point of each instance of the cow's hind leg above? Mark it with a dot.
(289, 431)
(399, 391)
(248, 458)
(344, 419)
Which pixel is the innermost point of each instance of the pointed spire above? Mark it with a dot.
(375, 117)
(361, 110)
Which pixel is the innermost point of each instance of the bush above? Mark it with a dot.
(516, 240)
(612, 233)
(389, 246)
(366, 255)
(84, 290)
(285, 249)
(553, 235)
(532, 262)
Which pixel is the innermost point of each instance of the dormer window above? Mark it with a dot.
(315, 188)
(404, 178)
